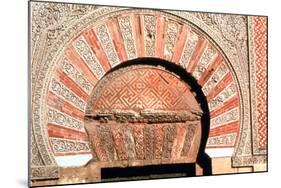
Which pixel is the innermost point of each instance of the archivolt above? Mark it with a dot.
(97, 42)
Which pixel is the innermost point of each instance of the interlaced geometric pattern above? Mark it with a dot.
(260, 41)
(146, 88)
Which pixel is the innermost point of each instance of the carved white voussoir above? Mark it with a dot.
(76, 76)
(230, 116)
(65, 93)
(188, 48)
(207, 58)
(150, 35)
(61, 146)
(171, 37)
(89, 57)
(127, 35)
(216, 77)
(222, 97)
(107, 44)
(61, 119)
(227, 140)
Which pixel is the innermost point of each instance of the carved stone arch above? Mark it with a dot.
(204, 22)
(69, 57)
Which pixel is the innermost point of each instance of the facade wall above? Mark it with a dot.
(74, 46)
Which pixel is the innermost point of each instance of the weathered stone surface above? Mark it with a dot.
(146, 116)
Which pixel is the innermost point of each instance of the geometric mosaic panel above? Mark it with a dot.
(260, 45)
(144, 89)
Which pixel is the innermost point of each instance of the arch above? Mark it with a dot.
(90, 48)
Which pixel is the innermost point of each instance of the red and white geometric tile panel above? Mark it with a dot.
(260, 51)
